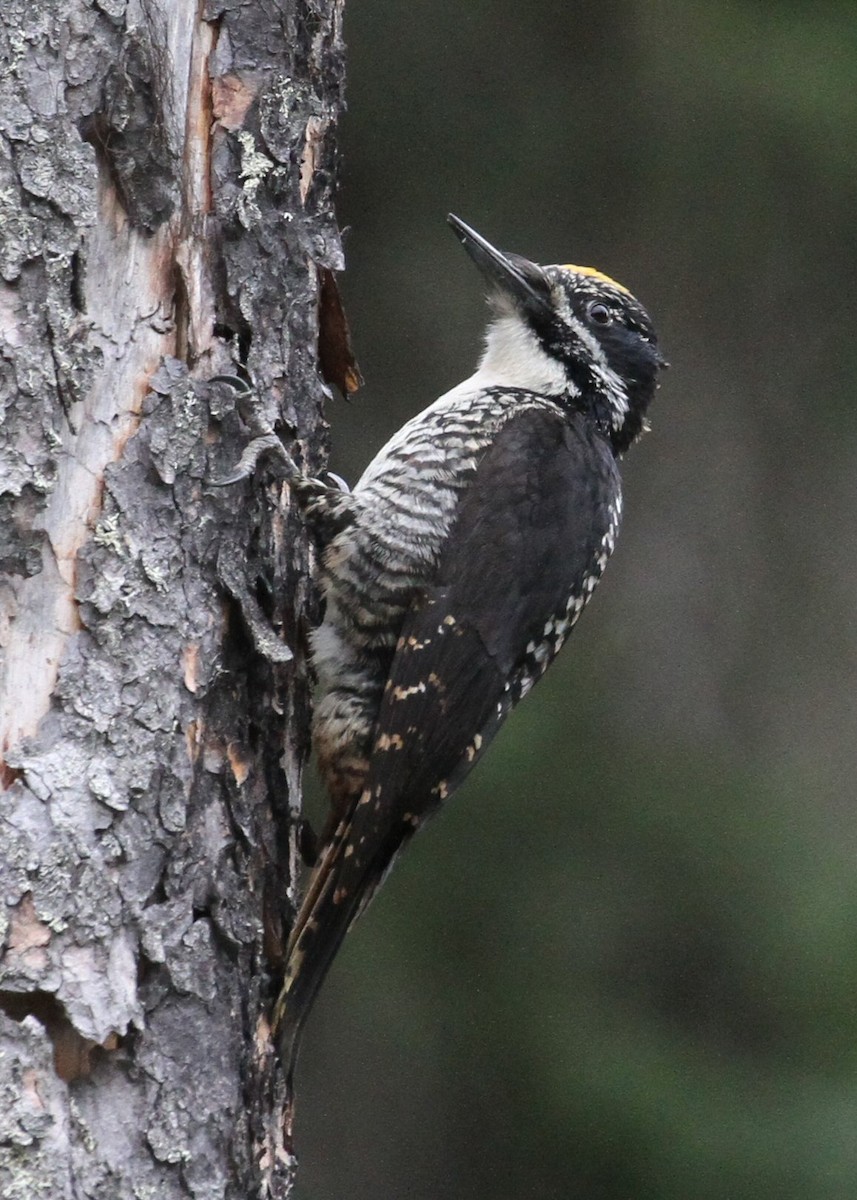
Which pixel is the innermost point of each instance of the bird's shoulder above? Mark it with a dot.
(545, 496)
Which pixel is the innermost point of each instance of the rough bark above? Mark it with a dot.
(166, 172)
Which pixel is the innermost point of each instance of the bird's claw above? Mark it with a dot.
(234, 381)
(338, 482)
(268, 443)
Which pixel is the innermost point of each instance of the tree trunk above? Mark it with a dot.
(166, 214)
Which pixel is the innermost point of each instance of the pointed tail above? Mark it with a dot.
(342, 886)
(320, 927)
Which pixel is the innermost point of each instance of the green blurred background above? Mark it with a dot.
(623, 964)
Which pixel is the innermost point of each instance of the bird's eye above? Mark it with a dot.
(600, 313)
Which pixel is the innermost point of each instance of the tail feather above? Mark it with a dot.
(313, 949)
(320, 878)
(339, 891)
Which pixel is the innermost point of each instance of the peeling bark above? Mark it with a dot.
(166, 175)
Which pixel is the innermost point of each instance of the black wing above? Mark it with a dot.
(527, 537)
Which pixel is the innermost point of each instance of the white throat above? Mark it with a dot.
(514, 358)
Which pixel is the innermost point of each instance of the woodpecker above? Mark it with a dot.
(456, 569)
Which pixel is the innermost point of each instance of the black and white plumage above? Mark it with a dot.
(456, 569)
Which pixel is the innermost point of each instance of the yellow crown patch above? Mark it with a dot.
(594, 273)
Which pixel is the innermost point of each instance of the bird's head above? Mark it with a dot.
(569, 332)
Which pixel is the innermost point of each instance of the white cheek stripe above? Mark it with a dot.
(609, 380)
